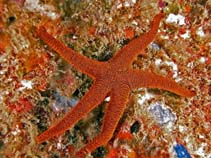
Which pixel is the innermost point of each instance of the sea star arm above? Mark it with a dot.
(113, 113)
(94, 97)
(139, 78)
(80, 62)
(129, 52)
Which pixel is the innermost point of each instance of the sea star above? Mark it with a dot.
(114, 78)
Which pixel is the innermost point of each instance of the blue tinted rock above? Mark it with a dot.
(181, 151)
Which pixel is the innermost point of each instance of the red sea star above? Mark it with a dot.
(114, 78)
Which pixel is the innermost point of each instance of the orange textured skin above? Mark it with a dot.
(114, 78)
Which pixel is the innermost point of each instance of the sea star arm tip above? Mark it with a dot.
(82, 63)
(113, 113)
(147, 79)
(85, 105)
(136, 46)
